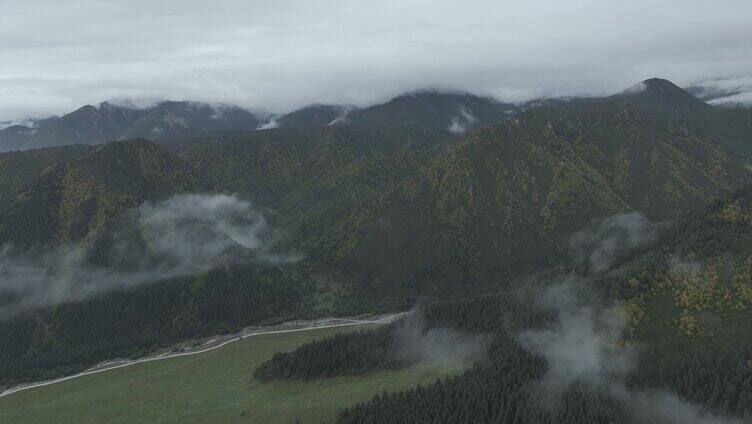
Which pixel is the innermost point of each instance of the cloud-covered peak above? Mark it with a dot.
(131, 103)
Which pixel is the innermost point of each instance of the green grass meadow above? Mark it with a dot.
(213, 387)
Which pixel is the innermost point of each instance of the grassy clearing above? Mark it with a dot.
(213, 387)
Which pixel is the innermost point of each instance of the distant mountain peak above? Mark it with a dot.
(665, 86)
(659, 92)
(120, 119)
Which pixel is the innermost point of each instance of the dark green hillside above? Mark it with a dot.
(387, 214)
(695, 283)
(508, 196)
(74, 199)
(504, 198)
(322, 175)
(19, 169)
(504, 386)
(495, 203)
(659, 95)
(316, 179)
(325, 177)
(662, 164)
(129, 323)
(502, 389)
(434, 110)
(687, 300)
(271, 164)
(733, 125)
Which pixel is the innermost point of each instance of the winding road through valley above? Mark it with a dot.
(217, 342)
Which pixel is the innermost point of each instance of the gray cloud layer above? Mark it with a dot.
(184, 235)
(580, 346)
(280, 54)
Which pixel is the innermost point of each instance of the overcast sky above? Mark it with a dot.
(276, 55)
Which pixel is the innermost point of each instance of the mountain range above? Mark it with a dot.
(108, 121)
(457, 113)
(386, 205)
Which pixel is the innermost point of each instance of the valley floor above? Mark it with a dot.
(211, 343)
(211, 385)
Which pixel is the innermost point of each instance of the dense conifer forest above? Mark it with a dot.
(505, 386)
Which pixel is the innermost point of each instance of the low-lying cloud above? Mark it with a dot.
(463, 122)
(603, 241)
(181, 236)
(580, 347)
(735, 91)
(419, 344)
(583, 347)
(268, 125)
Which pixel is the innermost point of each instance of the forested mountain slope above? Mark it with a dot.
(661, 336)
(455, 112)
(696, 281)
(317, 180)
(508, 196)
(71, 200)
(583, 373)
(320, 176)
(19, 169)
